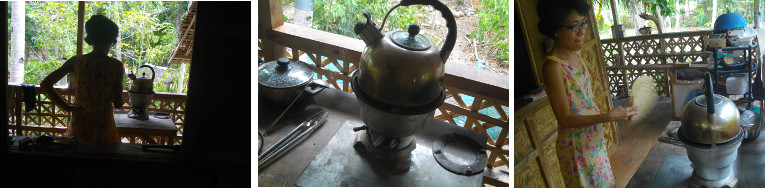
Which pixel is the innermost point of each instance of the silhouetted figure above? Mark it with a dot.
(98, 84)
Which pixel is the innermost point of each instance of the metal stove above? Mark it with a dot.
(388, 133)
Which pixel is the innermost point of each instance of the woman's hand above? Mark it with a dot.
(621, 113)
(70, 108)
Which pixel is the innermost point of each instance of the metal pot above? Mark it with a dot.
(713, 163)
(143, 84)
(402, 68)
(708, 121)
(281, 81)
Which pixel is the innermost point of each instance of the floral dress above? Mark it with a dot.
(94, 79)
(581, 151)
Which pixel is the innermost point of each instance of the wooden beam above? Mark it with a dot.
(80, 25)
(614, 6)
(315, 41)
(270, 16)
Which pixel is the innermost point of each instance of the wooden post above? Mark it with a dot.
(270, 16)
(4, 69)
(614, 6)
(625, 81)
(80, 24)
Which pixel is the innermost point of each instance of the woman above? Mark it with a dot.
(581, 151)
(98, 85)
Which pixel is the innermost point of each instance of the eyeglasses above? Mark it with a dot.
(578, 27)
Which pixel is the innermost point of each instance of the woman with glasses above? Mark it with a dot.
(580, 146)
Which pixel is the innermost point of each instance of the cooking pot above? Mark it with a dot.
(143, 84)
(281, 81)
(403, 68)
(710, 118)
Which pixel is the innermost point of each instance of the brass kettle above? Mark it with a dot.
(710, 118)
(143, 84)
(403, 68)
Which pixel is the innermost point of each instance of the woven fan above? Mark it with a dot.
(643, 94)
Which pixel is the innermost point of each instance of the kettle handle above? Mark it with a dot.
(152, 70)
(451, 23)
(709, 93)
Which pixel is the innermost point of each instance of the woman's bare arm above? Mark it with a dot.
(52, 78)
(556, 93)
(117, 86)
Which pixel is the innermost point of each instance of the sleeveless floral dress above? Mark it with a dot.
(581, 151)
(94, 121)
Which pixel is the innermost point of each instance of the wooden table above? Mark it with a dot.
(145, 128)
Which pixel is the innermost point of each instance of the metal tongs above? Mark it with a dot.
(302, 131)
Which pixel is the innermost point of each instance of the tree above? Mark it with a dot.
(17, 43)
(658, 9)
(653, 10)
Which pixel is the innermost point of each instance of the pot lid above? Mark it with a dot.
(410, 39)
(729, 21)
(284, 73)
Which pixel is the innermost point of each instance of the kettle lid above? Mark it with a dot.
(410, 39)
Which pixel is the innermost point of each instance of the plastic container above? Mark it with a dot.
(717, 40)
(741, 36)
(736, 85)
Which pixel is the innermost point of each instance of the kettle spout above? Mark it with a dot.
(367, 30)
(131, 76)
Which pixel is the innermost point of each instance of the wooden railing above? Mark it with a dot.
(343, 53)
(48, 119)
(654, 55)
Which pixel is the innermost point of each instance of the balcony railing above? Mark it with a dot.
(654, 55)
(48, 119)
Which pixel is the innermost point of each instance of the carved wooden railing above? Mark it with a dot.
(343, 53)
(48, 119)
(654, 55)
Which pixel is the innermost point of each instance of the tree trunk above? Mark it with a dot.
(714, 11)
(181, 76)
(635, 22)
(17, 43)
(118, 47)
(661, 24)
(654, 19)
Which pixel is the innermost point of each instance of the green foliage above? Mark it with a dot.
(172, 75)
(148, 33)
(667, 7)
(340, 16)
(492, 27)
(35, 71)
(701, 17)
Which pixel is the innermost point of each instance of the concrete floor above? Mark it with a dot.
(667, 165)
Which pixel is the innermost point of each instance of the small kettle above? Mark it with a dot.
(143, 84)
(403, 68)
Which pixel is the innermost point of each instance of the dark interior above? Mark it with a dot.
(216, 142)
